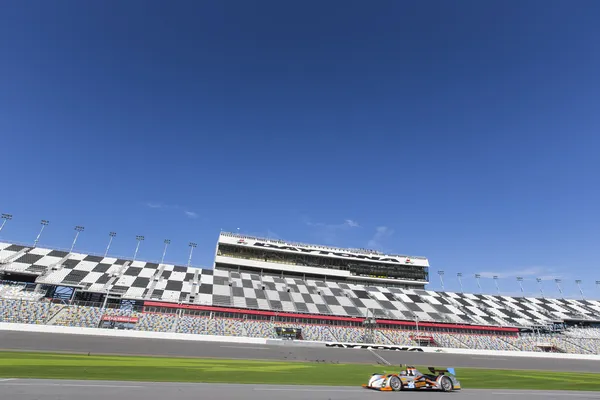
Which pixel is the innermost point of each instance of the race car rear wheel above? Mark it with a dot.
(445, 384)
(395, 383)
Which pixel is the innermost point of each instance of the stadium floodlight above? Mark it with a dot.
(539, 281)
(167, 243)
(459, 276)
(192, 245)
(558, 281)
(495, 277)
(578, 282)
(441, 274)
(5, 217)
(139, 239)
(37, 239)
(477, 277)
(78, 229)
(111, 236)
(520, 280)
(598, 284)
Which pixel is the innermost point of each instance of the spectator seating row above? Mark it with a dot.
(18, 292)
(26, 312)
(574, 340)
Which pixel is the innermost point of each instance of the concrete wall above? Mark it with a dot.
(247, 340)
(126, 333)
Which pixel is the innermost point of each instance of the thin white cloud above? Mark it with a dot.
(348, 223)
(351, 223)
(156, 205)
(544, 273)
(191, 214)
(330, 233)
(381, 234)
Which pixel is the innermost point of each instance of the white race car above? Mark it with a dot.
(413, 379)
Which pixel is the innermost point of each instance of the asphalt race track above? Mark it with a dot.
(52, 342)
(24, 389)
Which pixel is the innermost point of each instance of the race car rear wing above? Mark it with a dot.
(435, 370)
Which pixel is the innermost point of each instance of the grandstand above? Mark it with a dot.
(259, 284)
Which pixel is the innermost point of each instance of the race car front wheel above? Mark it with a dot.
(445, 384)
(395, 383)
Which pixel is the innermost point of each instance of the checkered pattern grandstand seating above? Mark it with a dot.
(171, 283)
(139, 280)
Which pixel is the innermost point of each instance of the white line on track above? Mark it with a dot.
(555, 393)
(246, 347)
(488, 358)
(3, 383)
(9, 379)
(301, 390)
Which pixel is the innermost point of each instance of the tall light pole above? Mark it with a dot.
(167, 243)
(496, 282)
(598, 284)
(37, 239)
(441, 274)
(520, 280)
(578, 282)
(139, 240)
(192, 245)
(459, 276)
(78, 229)
(478, 276)
(557, 281)
(539, 281)
(5, 217)
(111, 235)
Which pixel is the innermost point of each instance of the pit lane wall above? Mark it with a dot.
(347, 346)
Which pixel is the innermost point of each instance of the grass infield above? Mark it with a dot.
(160, 369)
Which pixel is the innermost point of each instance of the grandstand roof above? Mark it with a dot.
(360, 254)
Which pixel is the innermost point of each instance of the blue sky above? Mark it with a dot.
(466, 131)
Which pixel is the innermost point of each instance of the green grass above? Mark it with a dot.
(127, 368)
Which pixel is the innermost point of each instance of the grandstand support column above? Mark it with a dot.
(73, 294)
(192, 246)
(495, 277)
(459, 276)
(105, 299)
(539, 281)
(139, 239)
(111, 235)
(578, 282)
(37, 239)
(441, 274)
(78, 230)
(5, 218)
(417, 324)
(370, 323)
